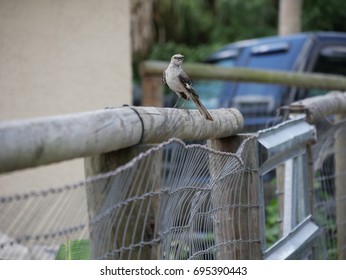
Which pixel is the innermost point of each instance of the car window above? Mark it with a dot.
(251, 97)
(331, 60)
(210, 91)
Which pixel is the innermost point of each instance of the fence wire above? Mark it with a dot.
(164, 204)
(33, 225)
(329, 195)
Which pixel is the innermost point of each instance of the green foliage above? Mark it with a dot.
(183, 21)
(237, 20)
(272, 226)
(213, 21)
(74, 250)
(321, 15)
(192, 54)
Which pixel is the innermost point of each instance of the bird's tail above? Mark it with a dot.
(200, 107)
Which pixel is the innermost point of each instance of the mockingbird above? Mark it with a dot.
(177, 80)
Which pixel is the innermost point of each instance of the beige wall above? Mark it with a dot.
(63, 56)
(57, 57)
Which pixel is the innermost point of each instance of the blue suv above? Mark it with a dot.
(323, 52)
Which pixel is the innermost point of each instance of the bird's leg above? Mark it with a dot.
(177, 102)
(182, 106)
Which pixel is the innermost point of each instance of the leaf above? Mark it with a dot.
(74, 250)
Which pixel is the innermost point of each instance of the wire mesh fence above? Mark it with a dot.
(164, 204)
(35, 224)
(329, 195)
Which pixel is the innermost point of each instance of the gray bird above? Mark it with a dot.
(177, 80)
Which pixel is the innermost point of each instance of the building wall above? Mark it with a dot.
(58, 57)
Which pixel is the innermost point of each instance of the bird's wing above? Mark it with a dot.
(186, 81)
(164, 77)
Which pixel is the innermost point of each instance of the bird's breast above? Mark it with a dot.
(173, 81)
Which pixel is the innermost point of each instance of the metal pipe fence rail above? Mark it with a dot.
(176, 201)
(152, 88)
